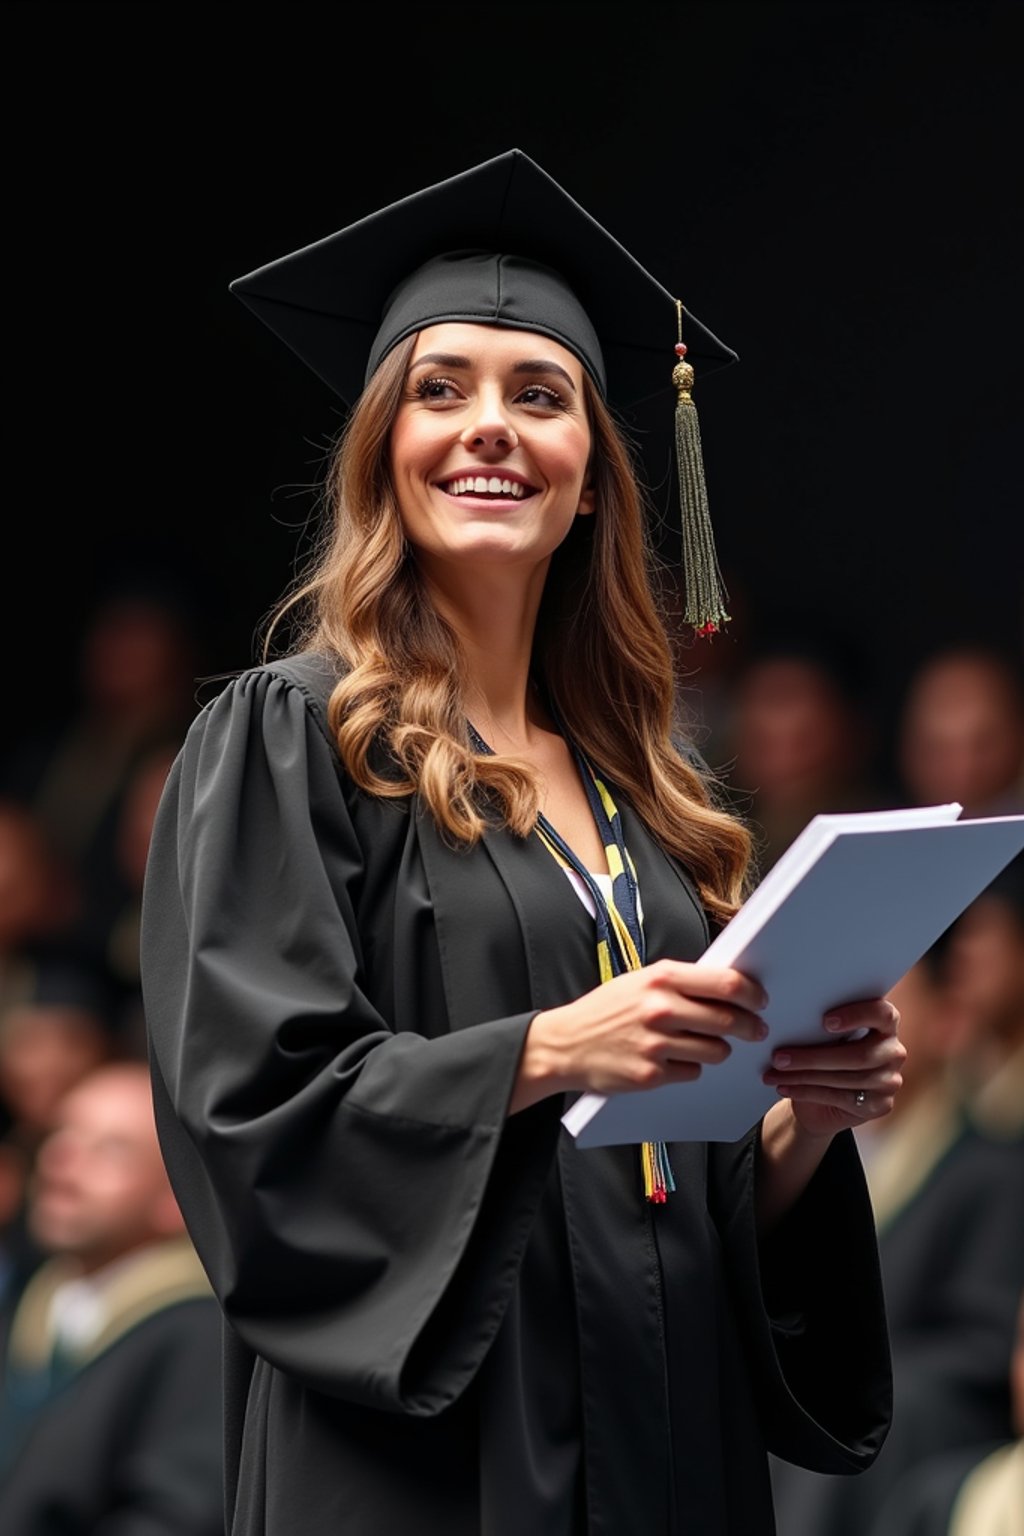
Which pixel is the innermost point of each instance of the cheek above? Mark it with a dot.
(416, 440)
(399, 449)
(568, 458)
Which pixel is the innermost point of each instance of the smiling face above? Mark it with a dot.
(490, 447)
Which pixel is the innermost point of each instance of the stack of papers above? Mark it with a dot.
(852, 904)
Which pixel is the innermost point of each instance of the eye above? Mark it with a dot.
(542, 395)
(435, 389)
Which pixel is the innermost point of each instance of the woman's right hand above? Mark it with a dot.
(660, 1024)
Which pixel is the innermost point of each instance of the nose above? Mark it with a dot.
(488, 429)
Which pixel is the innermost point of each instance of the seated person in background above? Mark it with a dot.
(18, 1256)
(38, 898)
(948, 1204)
(134, 829)
(53, 1037)
(969, 1494)
(110, 1414)
(801, 738)
(49, 1040)
(962, 733)
(985, 974)
(137, 659)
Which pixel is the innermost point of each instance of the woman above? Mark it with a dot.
(371, 985)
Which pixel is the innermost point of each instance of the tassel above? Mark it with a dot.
(705, 591)
(657, 1170)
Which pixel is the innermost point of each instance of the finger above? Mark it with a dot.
(877, 1014)
(706, 1049)
(680, 1071)
(865, 1055)
(709, 1019)
(712, 982)
(849, 1082)
(862, 1103)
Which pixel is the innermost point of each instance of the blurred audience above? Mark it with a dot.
(38, 899)
(949, 1205)
(961, 735)
(131, 845)
(18, 1254)
(985, 977)
(136, 676)
(801, 736)
(49, 1041)
(978, 1491)
(56, 1034)
(110, 1402)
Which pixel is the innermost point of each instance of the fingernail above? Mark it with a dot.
(762, 1031)
(782, 1059)
(833, 1021)
(765, 999)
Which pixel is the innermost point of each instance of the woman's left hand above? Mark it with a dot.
(834, 1087)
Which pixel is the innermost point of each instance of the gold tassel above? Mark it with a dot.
(705, 591)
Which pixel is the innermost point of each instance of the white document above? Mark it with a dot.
(852, 904)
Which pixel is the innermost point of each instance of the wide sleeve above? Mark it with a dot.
(358, 1195)
(810, 1307)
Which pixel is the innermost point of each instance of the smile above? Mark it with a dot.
(486, 485)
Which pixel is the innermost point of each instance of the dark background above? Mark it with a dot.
(833, 188)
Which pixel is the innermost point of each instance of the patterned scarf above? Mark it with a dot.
(620, 932)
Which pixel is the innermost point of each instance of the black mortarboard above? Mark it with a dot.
(498, 244)
(330, 300)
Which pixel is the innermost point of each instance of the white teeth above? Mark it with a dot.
(478, 485)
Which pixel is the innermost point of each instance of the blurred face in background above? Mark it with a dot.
(794, 733)
(100, 1188)
(44, 1051)
(985, 966)
(36, 894)
(963, 734)
(136, 659)
(931, 1027)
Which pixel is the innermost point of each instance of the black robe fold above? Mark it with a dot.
(441, 1319)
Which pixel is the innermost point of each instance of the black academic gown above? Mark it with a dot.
(442, 1320)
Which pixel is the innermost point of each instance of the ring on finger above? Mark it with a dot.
(860, 1099)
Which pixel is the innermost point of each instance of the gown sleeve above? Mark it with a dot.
(811, 1307)
(358, 1197)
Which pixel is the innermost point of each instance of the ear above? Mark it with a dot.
(588, 500)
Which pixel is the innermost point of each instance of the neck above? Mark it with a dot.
(110, 1257)
(495, 618)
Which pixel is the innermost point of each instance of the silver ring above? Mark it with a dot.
(860, 1098)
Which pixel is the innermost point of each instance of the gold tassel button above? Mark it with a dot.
(683, 377)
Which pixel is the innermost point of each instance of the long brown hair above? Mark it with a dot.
(364, 602)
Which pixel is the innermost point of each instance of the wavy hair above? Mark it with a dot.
(363, 601)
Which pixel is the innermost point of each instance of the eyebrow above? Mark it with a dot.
(535, 365)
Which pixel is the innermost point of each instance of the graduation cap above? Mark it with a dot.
(502, 244)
